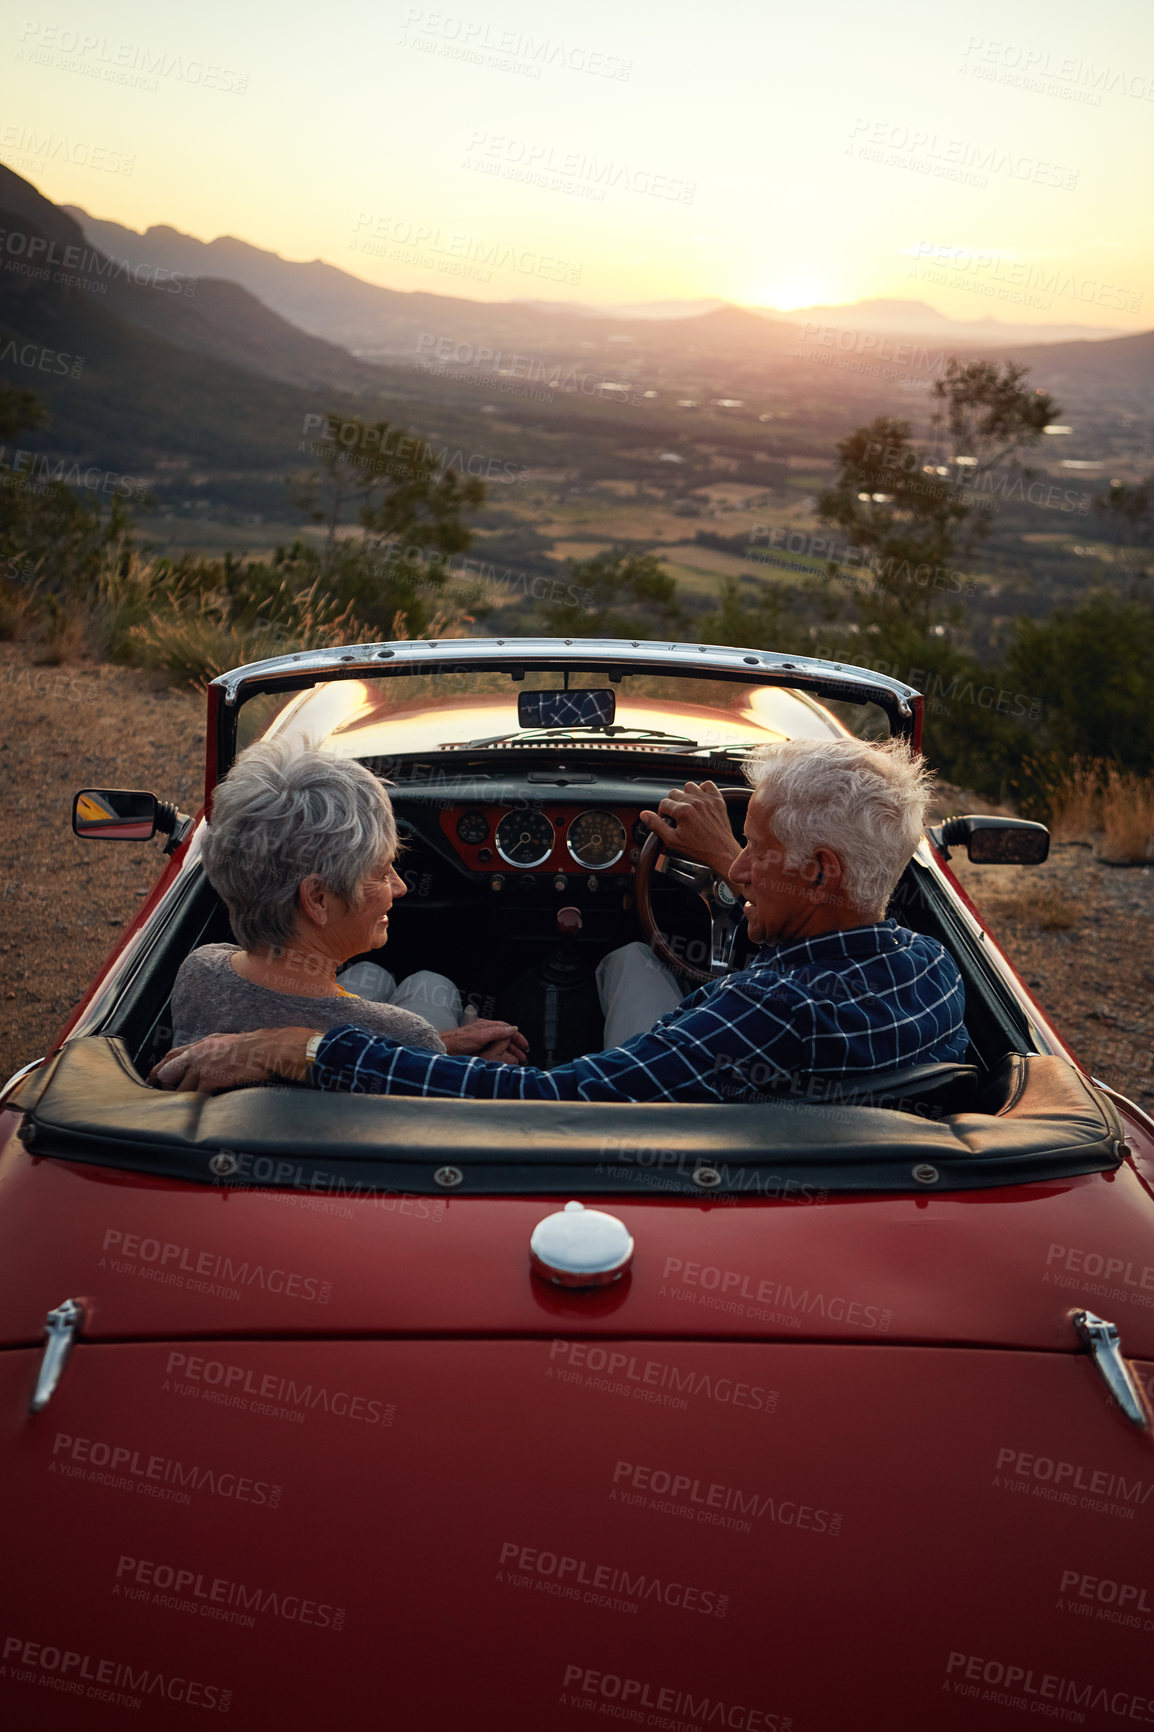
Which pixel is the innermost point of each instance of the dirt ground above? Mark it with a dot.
(1080, 934)
(63, 902)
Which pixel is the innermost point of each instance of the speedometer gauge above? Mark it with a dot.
(524, 838)
(596, 840)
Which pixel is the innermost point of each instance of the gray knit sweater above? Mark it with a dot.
(210, 997)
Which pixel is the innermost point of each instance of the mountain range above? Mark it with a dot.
(206, 359)
(378, 322)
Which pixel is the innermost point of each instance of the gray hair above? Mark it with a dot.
(282, 813)
(865, 802)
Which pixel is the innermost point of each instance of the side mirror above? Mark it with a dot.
(126, 815)
(993, 841)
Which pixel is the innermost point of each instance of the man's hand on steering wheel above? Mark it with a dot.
(691, 843)
(694, 822)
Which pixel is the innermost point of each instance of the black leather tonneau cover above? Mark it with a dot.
(89, 1104)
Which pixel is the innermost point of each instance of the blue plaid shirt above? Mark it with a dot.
(847, 1004)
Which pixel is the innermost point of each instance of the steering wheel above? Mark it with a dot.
(726, 911)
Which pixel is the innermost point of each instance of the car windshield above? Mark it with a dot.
(403, 714)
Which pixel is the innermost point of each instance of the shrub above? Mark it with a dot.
(62, 633)
(197, 636)
(17, 609)
(1095, 665)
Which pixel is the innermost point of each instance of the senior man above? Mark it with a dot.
(835, 988)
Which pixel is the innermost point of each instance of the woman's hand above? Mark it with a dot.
(501, 1042)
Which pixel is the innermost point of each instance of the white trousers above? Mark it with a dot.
(430, 995)
(634, 988)
(635, 991)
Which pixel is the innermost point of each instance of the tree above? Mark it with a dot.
(990, 414)
(1129, 516)
(58, 541)
(20, 412)
(397, 485)
(902, 526)
(775, 620)
(910, 520)
(397, 587)
(625, 595)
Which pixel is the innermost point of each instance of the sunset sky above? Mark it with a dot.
(772, 156)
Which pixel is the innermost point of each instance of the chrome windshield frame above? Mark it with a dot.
(228, 693)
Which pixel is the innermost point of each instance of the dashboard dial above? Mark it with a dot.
(596, 840)
(525, 838)
(473, 827)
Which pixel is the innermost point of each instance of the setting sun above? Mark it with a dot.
(786, 293)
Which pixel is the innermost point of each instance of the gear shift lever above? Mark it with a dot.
(560, 969)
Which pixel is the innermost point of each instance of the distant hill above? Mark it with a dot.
(919, 319)
(208, 316)
(215, 378)
(376, 323)
(631, 309)
(1123, 367)
(742, 324)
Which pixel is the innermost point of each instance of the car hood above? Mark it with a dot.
(287, 1530)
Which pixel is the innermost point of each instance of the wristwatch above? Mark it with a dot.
(312, 1046)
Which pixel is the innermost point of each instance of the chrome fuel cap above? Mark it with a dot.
(580, 1247)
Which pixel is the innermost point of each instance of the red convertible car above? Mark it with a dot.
(828, 1411)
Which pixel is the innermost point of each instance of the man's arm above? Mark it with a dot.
(707, 1050)
(713, 1047)
(228, 1061)
(694, 821)
(699, 1052)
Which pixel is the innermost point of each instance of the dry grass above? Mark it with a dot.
(1128, 816)
(194, 639)
(1095, 799)
(444, 623)
(1051, 911)
(1075, 801)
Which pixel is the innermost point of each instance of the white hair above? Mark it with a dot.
(865, 802)
(282, 814)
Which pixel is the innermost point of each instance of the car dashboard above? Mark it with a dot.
(564, 829)
(575, 841)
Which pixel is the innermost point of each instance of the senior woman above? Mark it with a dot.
(300, 849)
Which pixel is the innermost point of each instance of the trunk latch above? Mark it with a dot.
(1102, 1343)
(61, 1326)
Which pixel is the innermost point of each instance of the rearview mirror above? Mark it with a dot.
(114, 815)
(993, 841)
(582, 709)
